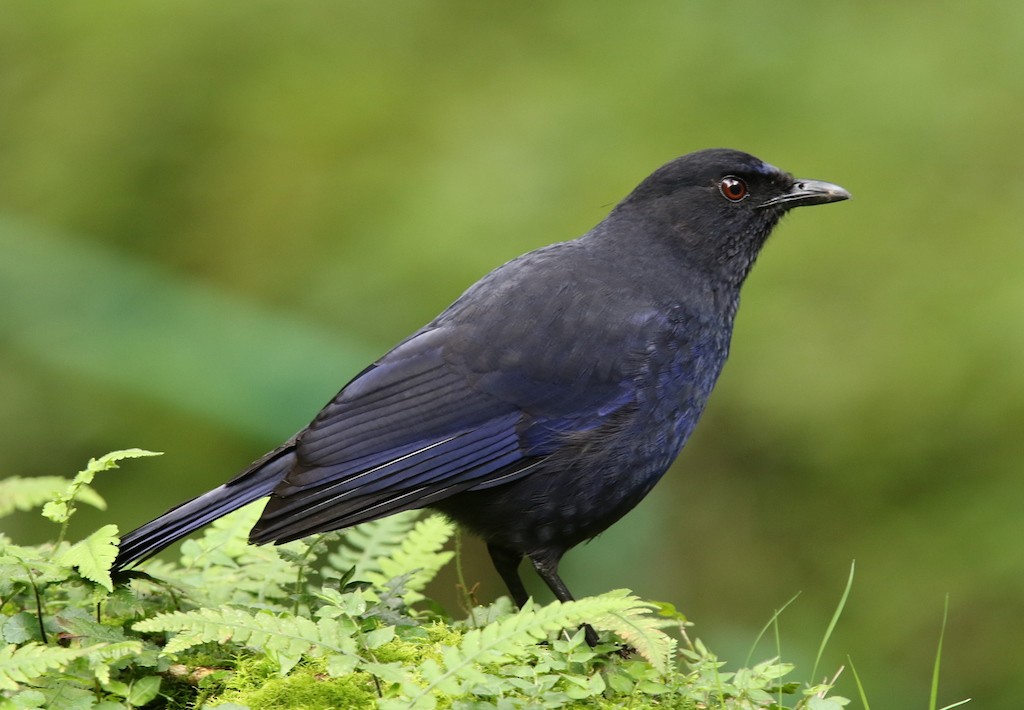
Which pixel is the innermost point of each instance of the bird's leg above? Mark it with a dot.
(547, 567)
(507, 561)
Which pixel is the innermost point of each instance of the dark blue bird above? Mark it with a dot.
(547, 400)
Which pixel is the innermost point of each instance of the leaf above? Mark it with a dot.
(379, 637)
(22, 665)
(80, 623)
(143, 690)
(101, 660)
(419, 553)
(227, 538)
(642, 631)
(20, 628)
(94, 555)
(516, 635)
(23, 564)
(278, 637)
(60, 509)
(26, 493)
(393, 672)
(222, 568)
(67, 696)
(833, 703)
(27, 699)
(109, 461)
(364, 545)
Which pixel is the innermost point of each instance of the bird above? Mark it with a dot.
(546, 401)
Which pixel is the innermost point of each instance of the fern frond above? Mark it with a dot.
(420, 553)
(24, 664)
(102, 660)
(60, 509)
(396, 546)
(224, 569)
(515, 635)
(19, 493)
(277, 636)
(22, 563)
(78, 622)
(224, 540)
(93, 556)
(364, 545)
(638, 628)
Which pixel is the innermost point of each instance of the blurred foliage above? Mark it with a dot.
(212, 215)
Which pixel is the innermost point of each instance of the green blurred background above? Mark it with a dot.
(213, 214)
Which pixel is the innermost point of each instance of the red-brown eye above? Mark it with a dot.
(732, 188)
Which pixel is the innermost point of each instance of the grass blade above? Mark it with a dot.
(938, 659)
(833, 622)
(764, 629)
(933, 699)
(860, 686)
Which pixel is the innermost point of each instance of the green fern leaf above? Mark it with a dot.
(364, 545)
(93, 556)
(60, 508)
(516, 635)
(279, 637)
(18, 493)
(81, 624)
(223, 541)
(638, 628)
(419, 553)
(222, 568)
(101, 660)
(20, 563)
(23, 665)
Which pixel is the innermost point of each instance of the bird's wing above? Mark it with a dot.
(427, 421)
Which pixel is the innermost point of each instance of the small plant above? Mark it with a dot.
(334, 621)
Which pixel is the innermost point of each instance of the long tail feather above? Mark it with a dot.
(252, 484)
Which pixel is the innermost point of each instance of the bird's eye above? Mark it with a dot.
(732, 188)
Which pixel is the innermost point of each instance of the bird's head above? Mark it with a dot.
(717, 207)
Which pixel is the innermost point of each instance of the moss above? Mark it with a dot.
(441, 634)
(414, 649)
(257, 685)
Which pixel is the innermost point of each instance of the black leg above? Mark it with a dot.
(507, 563)
(547, 568)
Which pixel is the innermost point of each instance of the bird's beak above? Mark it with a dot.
(808, 192)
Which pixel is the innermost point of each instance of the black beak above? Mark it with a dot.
(808, 192)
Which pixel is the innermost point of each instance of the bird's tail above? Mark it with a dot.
(252, 484)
